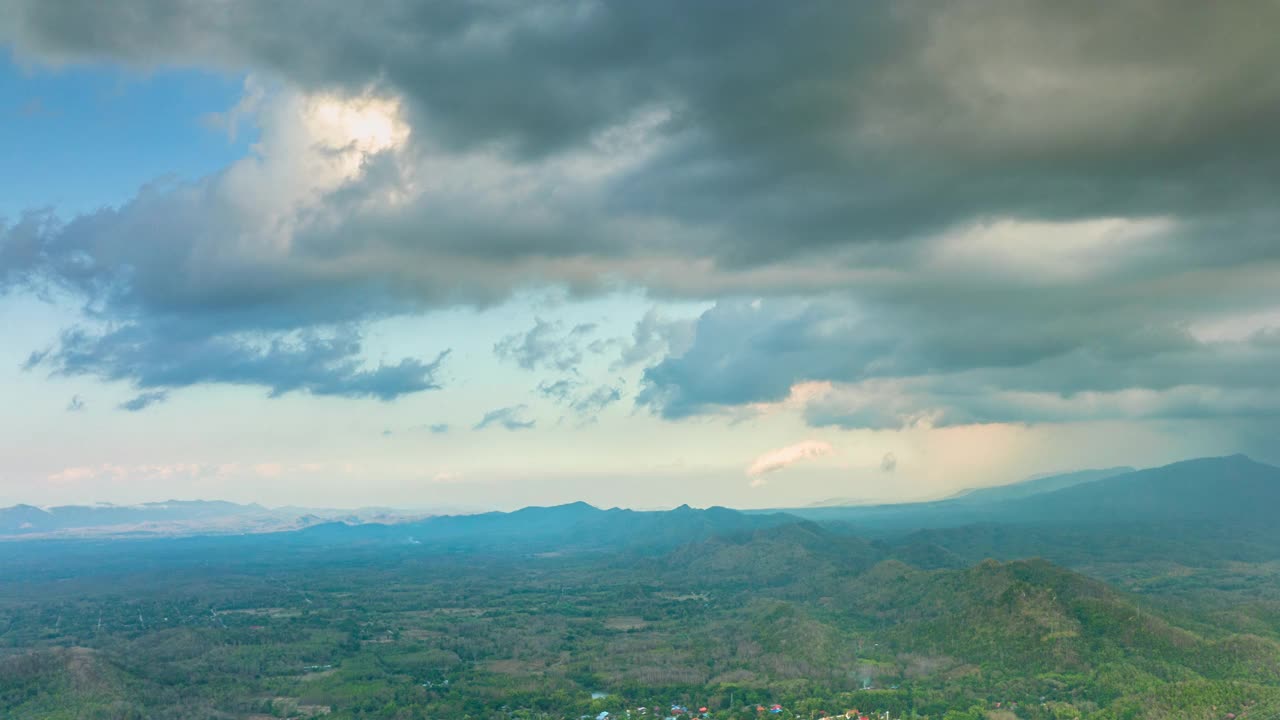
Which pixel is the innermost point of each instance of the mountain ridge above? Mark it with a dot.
(1222, 489)
(1213, 491)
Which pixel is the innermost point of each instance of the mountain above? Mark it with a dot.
(809, 594)
(1037, 485)
(790, 552)
(575, 526)
(1216, 492)
(642, 606)
(1032, 616)
(45, 682)
(1196, 516)
(1222, 490)
(171, 518)
(967, 507)
(25, 518)
(1197, 510)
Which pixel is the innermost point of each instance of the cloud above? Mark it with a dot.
(939, 360)
(439, 428)
(191, 471)
(587, 405)
(143, 401)
(251, 101)
(775, 460)
(949, 403)
(170, 355)
(76, 404)
(743, 354)
(653, 336)
(193, 282)
(591, 404)
(558, 391)
(142, 472)
(545, 345)
(1023, 98)
(509, 418)
(1045, 111)
(1028, 199)
(889, 463)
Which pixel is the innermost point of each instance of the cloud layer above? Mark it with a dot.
(1003, 211)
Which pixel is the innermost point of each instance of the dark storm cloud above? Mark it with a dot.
(955, 366)
(720, 149)
(745, 352)
(816, 123)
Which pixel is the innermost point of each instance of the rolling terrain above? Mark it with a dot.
(1157, 602)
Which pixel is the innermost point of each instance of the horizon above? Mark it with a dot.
(474, 510)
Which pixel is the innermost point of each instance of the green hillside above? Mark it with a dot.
(706, 608)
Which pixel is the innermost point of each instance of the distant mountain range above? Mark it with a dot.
(1037, 485)
(1022, 488)
(173, 518)
(1200, 512)
(575, 526)
(1207, 494)
(1230, 489)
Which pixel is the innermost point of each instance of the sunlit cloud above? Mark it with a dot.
(775, 460)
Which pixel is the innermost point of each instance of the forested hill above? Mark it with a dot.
(791, 613)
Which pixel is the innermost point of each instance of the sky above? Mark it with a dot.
(490, 254)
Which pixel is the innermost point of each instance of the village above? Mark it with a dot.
(680, 712)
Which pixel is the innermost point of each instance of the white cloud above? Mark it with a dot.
(775, 460)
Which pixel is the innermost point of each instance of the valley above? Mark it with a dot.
(527, 614)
